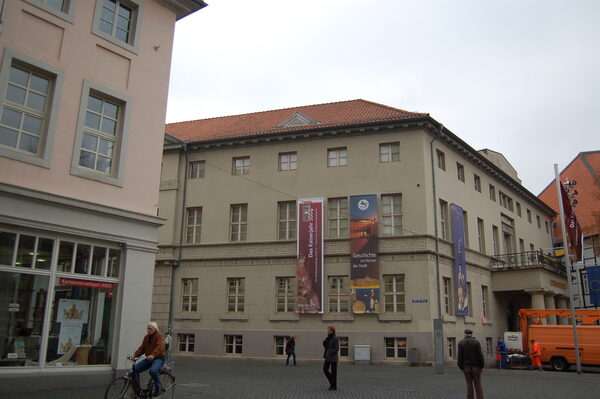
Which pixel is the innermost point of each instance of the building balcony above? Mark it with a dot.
(527, 260)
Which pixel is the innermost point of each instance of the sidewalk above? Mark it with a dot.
(244, 379)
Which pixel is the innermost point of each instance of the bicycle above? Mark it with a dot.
(128, 386)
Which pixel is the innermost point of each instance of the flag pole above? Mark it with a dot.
(568, 262)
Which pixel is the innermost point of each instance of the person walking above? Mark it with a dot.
(471, 362)
(501, 353)
(290, 349)
(331, 347)
(535, 354)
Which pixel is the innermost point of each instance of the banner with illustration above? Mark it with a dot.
(593, 278)
(72, 314)
(309, 266)
(460, 265)
(364, 254)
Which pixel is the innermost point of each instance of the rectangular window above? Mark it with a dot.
(448, 309)
(477, 183)
(286, 295)
(528, 215)
(344, 347)
(391, 214)
(61, 8)
(444, 220)
(485, 301)
(196, 169)
(101, 134)
(506, 201)
(469, 299)
(389, 152)
(240, 166)
(286, 220)
(238, 222)
(118, 21)
(338, 294)
(27, 116)
(481, 235)
(518, 209)
(235, 295)
(280, 343)
(489, 348)
(395, 348)
(233, 344)
(441, 160)
(186, 342)
(460, 172)
(394, 295)
(539, 221)
(496, 240)
(492, 193)
(531, 247)
(547, 225)
(337, 217)
(337, 156)
(189, 294)
(466, 227)
(288, 161)
(193, 228)
(451, 344)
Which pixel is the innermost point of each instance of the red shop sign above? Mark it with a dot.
(87, 283)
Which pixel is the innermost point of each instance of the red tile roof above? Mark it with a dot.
(585, 169)
(344, 113)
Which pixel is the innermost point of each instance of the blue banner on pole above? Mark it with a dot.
(593, 277)
(460, 264)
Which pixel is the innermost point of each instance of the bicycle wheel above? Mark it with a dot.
(167, 380)
(119, 388)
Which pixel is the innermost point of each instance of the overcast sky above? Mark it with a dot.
(519, 77)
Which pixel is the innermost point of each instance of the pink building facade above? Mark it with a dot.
(83, 92)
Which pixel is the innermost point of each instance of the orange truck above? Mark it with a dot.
(556, 341)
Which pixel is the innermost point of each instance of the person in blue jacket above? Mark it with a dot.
(501, 352)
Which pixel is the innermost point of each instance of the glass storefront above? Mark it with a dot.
(57, 300)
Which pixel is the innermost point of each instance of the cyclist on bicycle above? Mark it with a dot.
(153, 346)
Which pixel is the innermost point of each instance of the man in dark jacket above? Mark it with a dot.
(331, 344)
(290, 349)
(470, 361)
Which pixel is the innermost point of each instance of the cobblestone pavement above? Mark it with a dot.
(247, 379)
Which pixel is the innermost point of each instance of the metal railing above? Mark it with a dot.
(527, 260)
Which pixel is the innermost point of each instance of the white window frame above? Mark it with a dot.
(394, 297)
(189, 294)
(193, 228)
(287, 161)
(441, 160)
(185, 343)
(236, 348)
(240, 166)
(286, 220)
(235, 295)
(485, 301)
(460, 172)
(390, 212)
(481, 234)
(118, 164)
(399, 343)
(496, 239)
(67, 13)
(338, 294)
(285, 298)
(447, 296)
(492, 191)
(197, 169)
(238, 226)
(337, 217)
(477, 182)
(389, 152)
(444, 220)
(337, 157)
(132, 44)
(44, 154)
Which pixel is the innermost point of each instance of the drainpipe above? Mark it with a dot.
(438, 324)
(181, 235)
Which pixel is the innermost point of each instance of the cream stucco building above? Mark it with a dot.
(81, 133)
(227, 252)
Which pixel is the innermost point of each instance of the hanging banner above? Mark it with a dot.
(364, 253)
(593, 278)
(460, 264)
(309, 264)
(574, 236)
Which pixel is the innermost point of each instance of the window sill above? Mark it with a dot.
(402, 317)
(233, 317)
(187, 316)
(469, 320)
(449, 319)
(337, 317)
(486, 322)
(284, 317)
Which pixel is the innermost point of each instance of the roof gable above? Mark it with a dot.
(298, 119)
